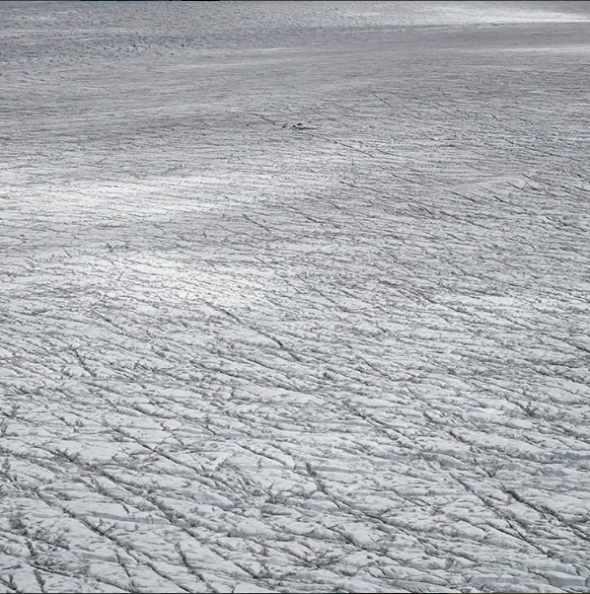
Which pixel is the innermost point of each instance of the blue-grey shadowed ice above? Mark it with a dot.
(294, 297)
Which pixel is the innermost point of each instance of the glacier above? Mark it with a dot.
(294, 297)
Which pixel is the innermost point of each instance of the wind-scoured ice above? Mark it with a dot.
(238, 354)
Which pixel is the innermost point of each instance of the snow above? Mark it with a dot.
(240, 356)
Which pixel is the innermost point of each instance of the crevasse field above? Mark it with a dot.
(239, 354)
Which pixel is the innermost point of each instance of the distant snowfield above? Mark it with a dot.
(242, 355)
(466, 13)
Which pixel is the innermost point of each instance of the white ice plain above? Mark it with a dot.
(239, 356)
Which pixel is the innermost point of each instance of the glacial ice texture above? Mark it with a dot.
(239, 354)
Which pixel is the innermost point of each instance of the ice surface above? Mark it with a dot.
(238, 355)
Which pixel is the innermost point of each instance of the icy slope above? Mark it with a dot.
(239, 356)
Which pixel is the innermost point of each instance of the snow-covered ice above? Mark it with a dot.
(238, 355)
